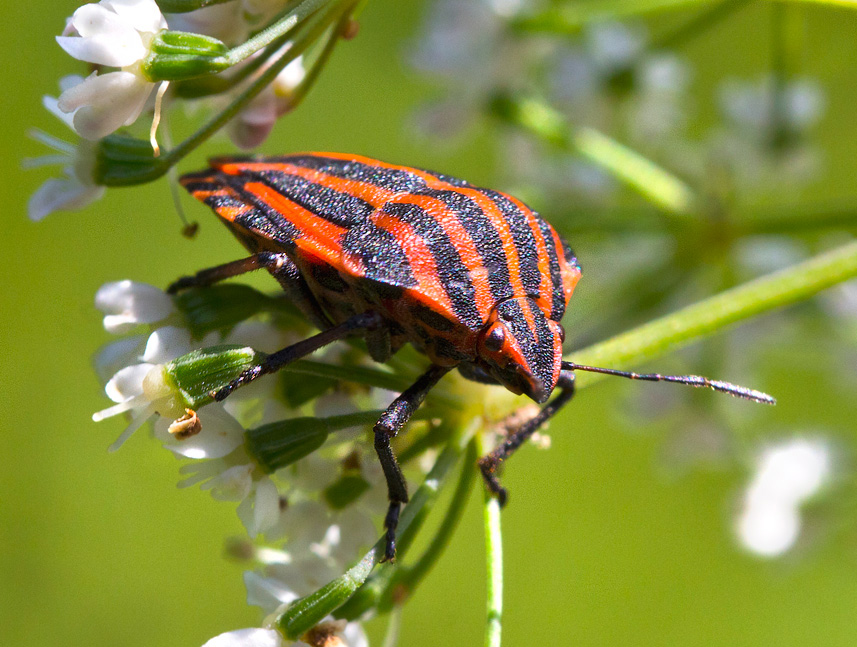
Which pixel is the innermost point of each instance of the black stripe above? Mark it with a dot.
(557, 291)
(523, 239)
(485, 237)
(383, 258)
(451, 271)
(262, 218)
(341, 209)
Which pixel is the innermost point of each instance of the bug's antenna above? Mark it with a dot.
(691, 380)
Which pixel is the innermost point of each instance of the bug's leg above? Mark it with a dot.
(388, 426)
(275, 361)
(489, 463)
(281, 268)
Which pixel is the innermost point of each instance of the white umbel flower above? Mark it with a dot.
(114, 34)
(77, 189)
(126, 304)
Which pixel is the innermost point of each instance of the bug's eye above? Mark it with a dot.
(495, 339)
(562, 334)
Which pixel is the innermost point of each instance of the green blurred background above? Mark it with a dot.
(604, 546)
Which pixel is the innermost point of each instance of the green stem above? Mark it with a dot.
(304, 614)
(289, 20)
(494, 562)
(706, 317)
(660, 187)
(315, 27)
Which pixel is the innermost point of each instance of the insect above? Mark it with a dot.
(472, 277)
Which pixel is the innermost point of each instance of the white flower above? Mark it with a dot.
(129, 303)
(787, 475)
(78, 188)
(115, 34)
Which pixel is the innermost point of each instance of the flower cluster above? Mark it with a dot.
(244, 62)
(322, 501)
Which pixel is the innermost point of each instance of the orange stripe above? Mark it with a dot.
(431, 291)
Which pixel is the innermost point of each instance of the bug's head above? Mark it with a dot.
(521, 348)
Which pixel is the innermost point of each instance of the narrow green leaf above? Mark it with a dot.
(710, 315)
(648, 179)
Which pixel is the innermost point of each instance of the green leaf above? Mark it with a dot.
(220, 307)
(183, 6)
(279, 444)
(124, 161)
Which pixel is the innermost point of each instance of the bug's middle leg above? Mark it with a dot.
(388, 426)
(489, 463)
(275, 361)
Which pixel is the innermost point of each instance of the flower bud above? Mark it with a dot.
(177, 55)
(198, 374)
(123, 160)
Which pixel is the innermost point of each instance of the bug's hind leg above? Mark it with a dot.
(280, 266)
(388, 426)
(275, 361)
(489, 463)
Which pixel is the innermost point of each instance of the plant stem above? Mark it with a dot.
(316, 25)
(494, 563)
(708, 316)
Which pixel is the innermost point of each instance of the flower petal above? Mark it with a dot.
(233, 484)
(166, 344)
(105, 102)
(116, 355)
(128, 303)
(220, 435)
(127, 383)
(256, 637)
(142, 15)
(61, 194)
(105, 38)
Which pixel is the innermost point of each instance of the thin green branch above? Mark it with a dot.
(654, 183)
(494, 564)
(315, 27)
(710, 315)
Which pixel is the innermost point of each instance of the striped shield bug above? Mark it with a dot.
(469, 276)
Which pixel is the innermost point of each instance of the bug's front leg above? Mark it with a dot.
(489, 463)
(280, 266)
(388, 426)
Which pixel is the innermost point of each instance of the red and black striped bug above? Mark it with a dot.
(471, 277)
